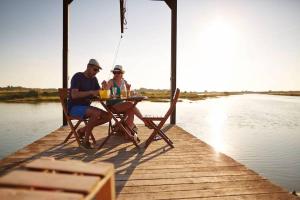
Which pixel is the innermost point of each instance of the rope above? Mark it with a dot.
(125, 23)
(117, 51)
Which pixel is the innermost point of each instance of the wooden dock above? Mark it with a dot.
(192, 170)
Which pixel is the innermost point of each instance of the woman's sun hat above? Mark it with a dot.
(118, 68)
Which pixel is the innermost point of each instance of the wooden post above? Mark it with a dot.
(65, 47)
(173, 6)
(122, 15)
(173, 56)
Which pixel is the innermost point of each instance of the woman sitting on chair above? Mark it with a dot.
(119, 105)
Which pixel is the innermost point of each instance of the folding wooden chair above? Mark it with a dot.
(113, 129)
(64, 95)
(161, 121)
(119, 121)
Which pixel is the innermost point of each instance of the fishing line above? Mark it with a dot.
(123, 6)
(117, 51)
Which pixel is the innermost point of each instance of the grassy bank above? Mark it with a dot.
(28, 95)
(285, 93)
(37, 95)
(164, 95)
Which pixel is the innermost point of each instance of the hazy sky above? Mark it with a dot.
(222, 45)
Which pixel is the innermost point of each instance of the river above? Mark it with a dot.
(260, 131)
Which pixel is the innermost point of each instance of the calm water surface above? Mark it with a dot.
(260, 131)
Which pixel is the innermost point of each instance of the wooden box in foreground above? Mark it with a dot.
(57, 179)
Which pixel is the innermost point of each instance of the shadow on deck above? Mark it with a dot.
(191, 170)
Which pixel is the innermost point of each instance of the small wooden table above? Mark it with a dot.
(122, 126)
(56, 179)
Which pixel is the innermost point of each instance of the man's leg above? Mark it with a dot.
(96, 117)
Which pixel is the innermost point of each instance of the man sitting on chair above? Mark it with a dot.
(84, 85)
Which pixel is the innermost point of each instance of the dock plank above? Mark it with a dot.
(191, 170)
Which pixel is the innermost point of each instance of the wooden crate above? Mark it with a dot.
(56, 179)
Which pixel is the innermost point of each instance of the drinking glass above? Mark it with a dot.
(101, 94)
(114, 92)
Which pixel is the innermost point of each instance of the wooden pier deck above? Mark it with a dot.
(192, 170)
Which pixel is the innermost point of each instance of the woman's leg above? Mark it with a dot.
(126, 107)
(140, 116)
(130, 111)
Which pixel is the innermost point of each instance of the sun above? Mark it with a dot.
(217, 51)
(219, 39)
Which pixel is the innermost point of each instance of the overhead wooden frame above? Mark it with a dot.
(172, 4)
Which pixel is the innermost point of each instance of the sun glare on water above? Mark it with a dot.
(217, 119)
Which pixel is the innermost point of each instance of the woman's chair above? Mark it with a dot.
(161, 121)
(63, 96)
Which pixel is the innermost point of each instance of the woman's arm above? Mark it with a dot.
(109, 84)
(127, 85)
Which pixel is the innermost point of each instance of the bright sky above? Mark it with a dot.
(222, 44)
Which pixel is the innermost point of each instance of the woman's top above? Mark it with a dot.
(118, 93)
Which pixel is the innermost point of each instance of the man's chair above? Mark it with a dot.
(64, 95)
(161, 121)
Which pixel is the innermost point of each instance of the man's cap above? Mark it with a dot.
(95, 63)
(118, 68)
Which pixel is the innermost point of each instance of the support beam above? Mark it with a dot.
(122, 15)
(65, 47)
(169, 3)
(173, 6)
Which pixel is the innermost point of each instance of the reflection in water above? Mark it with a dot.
(260, 131)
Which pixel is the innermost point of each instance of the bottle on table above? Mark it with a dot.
(128, 89)
(123, 91)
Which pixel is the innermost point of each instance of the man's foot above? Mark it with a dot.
(81, 134)
(86, 145)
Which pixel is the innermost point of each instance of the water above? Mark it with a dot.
(22, 124)
(260, 131)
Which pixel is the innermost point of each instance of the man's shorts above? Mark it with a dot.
(78, 111)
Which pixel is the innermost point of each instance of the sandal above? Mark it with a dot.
(135, 129)
(86, 145)
(157, 137)
(136, 138)
(116, 130)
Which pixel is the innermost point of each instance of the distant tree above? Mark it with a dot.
(32, 93)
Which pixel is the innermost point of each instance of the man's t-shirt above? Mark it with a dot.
(82, 83)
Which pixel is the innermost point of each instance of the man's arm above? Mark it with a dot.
(75, 93)
(75, 85)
